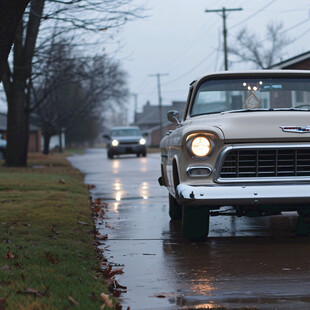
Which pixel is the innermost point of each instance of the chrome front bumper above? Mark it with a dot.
(231, 195)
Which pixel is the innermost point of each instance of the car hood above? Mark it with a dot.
(261, 126)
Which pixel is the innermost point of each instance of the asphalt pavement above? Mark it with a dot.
(245, 262)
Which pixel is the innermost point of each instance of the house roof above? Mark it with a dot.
(291, 61)
(150, 114)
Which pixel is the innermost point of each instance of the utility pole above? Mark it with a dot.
(136, 107)
(158, 75)
(224, 10)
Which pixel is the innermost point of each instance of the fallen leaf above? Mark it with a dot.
(90, 186)
(30, 290)
(101, 237)
(2, 301)
(118, 306)
(98, 201)
(93, 296)
(120, 286)
(51, 258)
(35, 292)
(106, 300)
(73, 301)
(53, 229)
(9, 255)
(109, 273)
(62, 181)
(82, 223)
(7, 282)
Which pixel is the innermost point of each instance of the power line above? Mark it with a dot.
(192, 69)
(254, 14)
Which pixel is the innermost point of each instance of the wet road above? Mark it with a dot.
(245, 262)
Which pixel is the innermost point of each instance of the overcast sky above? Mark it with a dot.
(179, 39)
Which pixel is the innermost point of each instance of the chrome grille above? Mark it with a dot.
(129, 142)
(264, 163)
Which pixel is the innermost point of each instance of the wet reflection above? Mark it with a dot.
(251, 259)
(119, 193)
(115, 207)
(143, 167)
(115, 166)
(144, 190)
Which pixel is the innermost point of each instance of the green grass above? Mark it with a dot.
(39, 224)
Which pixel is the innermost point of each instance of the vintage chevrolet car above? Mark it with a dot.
(243, 142)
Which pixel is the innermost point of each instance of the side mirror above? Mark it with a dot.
(145, 134)
(173, 116)
(106, 137)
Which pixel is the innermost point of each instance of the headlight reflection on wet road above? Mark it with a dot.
(144, 190)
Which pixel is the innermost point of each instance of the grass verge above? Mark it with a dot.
(47, 254)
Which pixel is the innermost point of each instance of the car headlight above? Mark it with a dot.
(114, 142)
(142, 141)
(201, 146)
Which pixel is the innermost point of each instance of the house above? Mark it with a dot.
(299, 62)
(149, 120)
(34, 144)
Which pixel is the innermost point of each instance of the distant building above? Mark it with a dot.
(149, 120)
(34, 144)
(299, 62)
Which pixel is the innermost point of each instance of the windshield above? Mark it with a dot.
(125, 132)
(252, 94)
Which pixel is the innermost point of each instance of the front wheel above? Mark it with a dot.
(110, 155)
(175, 209)
(195, 222)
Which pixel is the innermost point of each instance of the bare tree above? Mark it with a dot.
(73, 89)
(95, 15)
(11, 12)
(261, 52)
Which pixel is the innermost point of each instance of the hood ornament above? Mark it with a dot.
(295, 129)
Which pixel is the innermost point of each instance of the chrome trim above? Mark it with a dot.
(199, 167)
(296, 129)
(222, 156)
(230, 195)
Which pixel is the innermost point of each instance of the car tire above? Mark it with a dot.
(110, 155)
(144, 154)
(195, 222)
(138, 154)
(2, 155)
(175, 209)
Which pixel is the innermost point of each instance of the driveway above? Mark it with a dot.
(245, 262)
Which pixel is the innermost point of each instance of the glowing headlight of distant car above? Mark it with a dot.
(114, 142)
(200, 146)
(142, 141)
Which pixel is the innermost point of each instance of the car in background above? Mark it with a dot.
(243, 144)
(125, 140)
(2, 147)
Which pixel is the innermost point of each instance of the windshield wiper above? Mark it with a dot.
(260, 110)
(246, 110)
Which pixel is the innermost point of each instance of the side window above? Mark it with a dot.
(189, 97)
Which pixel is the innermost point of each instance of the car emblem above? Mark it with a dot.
(295, 129)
